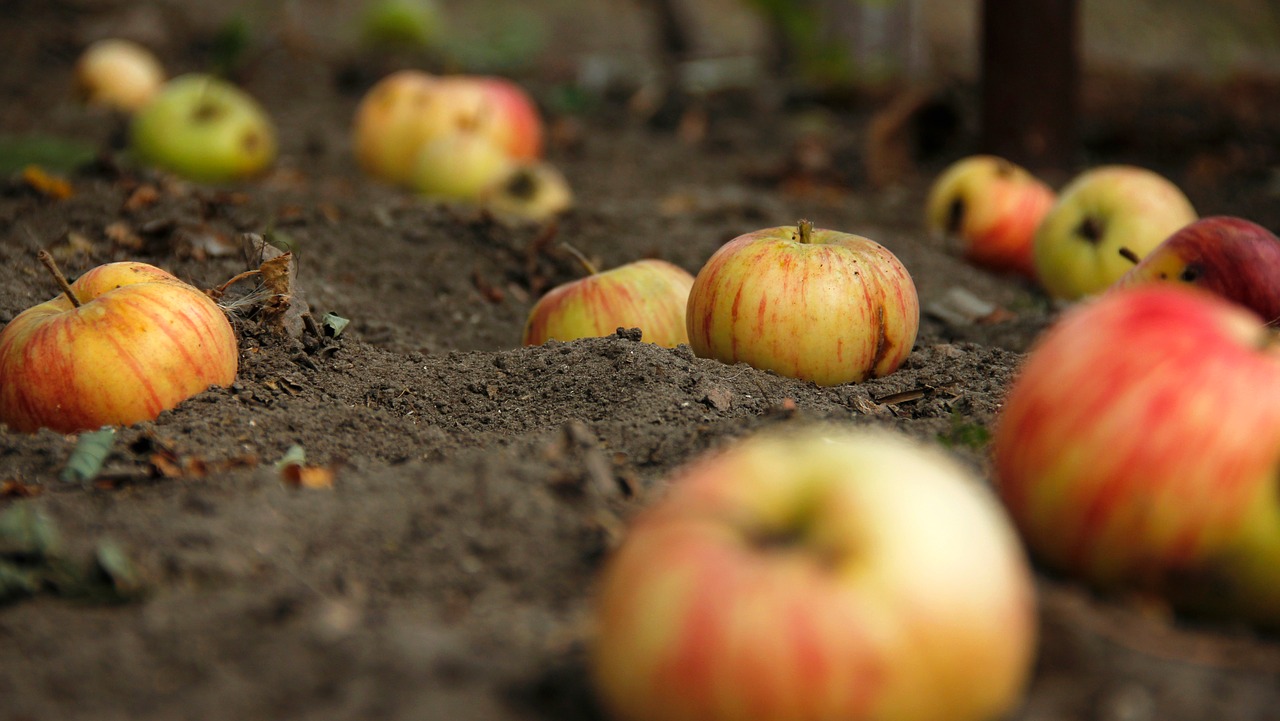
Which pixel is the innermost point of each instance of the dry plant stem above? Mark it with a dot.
(221, 290)
(588, 265)
(52, 266)
(1129, 255)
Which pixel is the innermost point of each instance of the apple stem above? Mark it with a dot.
(806, 231)
(52, 266)
(588, 265)
(1129, 255)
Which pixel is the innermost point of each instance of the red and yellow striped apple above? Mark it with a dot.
(1077, 247)
(119, 74)
(1229, 257)
(993, 207)
(140, 341)
(819, 305)
(824, 574)
(648, 294)
(1140, 446)
(461, 165)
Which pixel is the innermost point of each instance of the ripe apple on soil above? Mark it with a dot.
(407, 109)
(1140, 445)
(647, 294)
(461, 165)
(819, 305)
(140, 341)
(534, 190)
(119, 74)
(828, 573)
(206, 129)
(993, 207)
(1230, 257)
(1077, 247)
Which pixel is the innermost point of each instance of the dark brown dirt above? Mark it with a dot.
(478, 485)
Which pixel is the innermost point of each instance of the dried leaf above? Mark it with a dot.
(46, 184)
(90, 453)
(295, 473)
(123, 236)
(14, 488)
(143, 196)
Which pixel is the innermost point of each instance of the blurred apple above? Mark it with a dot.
(119, 74)
(993, 207)
(205, 129)
(827, 573)
(388, 130)
(534, 190)
(648, 294)
(462, 165)
(820, 305)
(139, 342)
(1140, 445)
(1230, 257)
(1077, 247)
(400, 23)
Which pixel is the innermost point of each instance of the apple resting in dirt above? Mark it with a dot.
(993, 207)
(648, 294)
(803, 302)
(1140, 446)
(205, 129)
(824, 574)
(462, 165)
(533, 190)
(124, 342)
(1077, 247)
(1230, 257)
(120, 74)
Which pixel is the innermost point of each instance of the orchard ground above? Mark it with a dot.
(478, 485)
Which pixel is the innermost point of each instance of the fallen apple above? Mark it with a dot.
(819, 305)
(462, 165)
(1230, 257)
(993, 208)
(400, 23)
(1077, 247)
(121, 344)
(206, 129)
(119, 74)
(533, 190)
(388, 133)
(1140, 445)
(648, 294)
(827, 573)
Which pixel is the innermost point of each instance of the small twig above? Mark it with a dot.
(221, 290)
(1129, 255)
(49, 263)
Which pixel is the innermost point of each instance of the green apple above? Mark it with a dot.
(206, 129)
(1103, 219)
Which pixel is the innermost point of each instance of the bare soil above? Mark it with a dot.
(478, 485)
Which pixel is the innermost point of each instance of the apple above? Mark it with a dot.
(407, 109)
(400, 23)
(119, 74)
(819, 305)
(1077, 247)
(1231, 257)
(124, 342)
(206, 129)
(533, 190)
(1140, 445)
(993, 207)
(826, 573)
(462, 165)
(648, 294)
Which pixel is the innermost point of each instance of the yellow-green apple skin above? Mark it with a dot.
(647, 294)
(1140, 445)
(141, 342)
(993, 207)
(205, 129)
(1230, 257)
(533, 190)
(826, 574)
(810, 303)
(407, 109)
(1078, 245)
(119, 74)
(462, 165)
